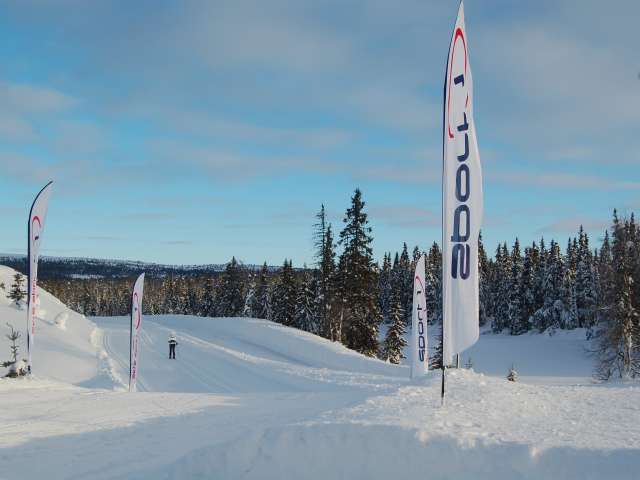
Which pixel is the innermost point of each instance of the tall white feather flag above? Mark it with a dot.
(461, 201)
(136, 326)
(419, 345)
(35, 229)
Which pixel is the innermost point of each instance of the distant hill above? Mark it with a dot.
(78, 268)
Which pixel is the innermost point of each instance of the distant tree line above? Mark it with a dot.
(346, 296)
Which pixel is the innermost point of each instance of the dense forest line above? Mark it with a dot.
(347, 296)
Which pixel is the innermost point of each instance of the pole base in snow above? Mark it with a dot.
(442, 389)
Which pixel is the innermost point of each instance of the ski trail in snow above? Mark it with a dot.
(220, 356)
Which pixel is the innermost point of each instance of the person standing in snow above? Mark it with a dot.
(172, 346)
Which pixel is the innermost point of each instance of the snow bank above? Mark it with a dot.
(489, 429)
(62, 349)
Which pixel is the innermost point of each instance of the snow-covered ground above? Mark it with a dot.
(254, 400)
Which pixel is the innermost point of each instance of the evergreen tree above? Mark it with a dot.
(483, 273)
(435, 359)
(17, 292)
(569, 315)
(260, 304)
(394, 341)
(433, 285)
(515, 307)
(502, 289)
(360, 315)
(284, 296)
(306, 317)
(525, 294)
(618, 333)
(586, 299)
(250, 292)
(208, 303)
(231, 288)
(405, 283)
(328, 318)
(384, 287)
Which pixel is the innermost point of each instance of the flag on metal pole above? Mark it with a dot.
(136, 324)
(419, 342)
(35, 229)
(462, 203)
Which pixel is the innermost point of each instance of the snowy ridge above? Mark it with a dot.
(63, 350)
(97, 268)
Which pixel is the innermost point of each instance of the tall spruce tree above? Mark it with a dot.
(306, 310)
(284, 297)
(394, 341)
(326, 288)
(483, 273)
(359, 311)
(384, 287)
(231, 290)
(260, 306)
(515, 307)
(618, 333)
(433, 287)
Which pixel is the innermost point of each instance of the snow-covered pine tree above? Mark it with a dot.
(306, 317)
(250, 292)
(260, 305)
(435, 358)
(320, 229)
(384, 287)
(230, 296)
(586, 290)
(525, 294)
(13, 337)
(618, 331)
(539, 273)
(550, 314)
(208, 301)
(483, 272)
(17, 292)
(433, 285)
(359, 310)
(405, 279)
(569, 314)
(394, 341)
(329, 321)
(502, 289)
(515, 308)
(284, 296)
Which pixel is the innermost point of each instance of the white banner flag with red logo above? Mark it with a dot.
(35, 229)
(136, 324)
(461, 201)
(419, 344)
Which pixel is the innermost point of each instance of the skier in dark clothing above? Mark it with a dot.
(172, 346)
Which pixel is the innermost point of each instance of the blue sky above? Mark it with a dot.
(187, 132)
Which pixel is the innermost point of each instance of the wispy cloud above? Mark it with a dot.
(561, 180)
(148, 216)
(104, 238)
(27, 98)
(408, 216)
(571, 225)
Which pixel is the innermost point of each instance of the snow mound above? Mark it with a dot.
(62, 348)
(489, 429)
